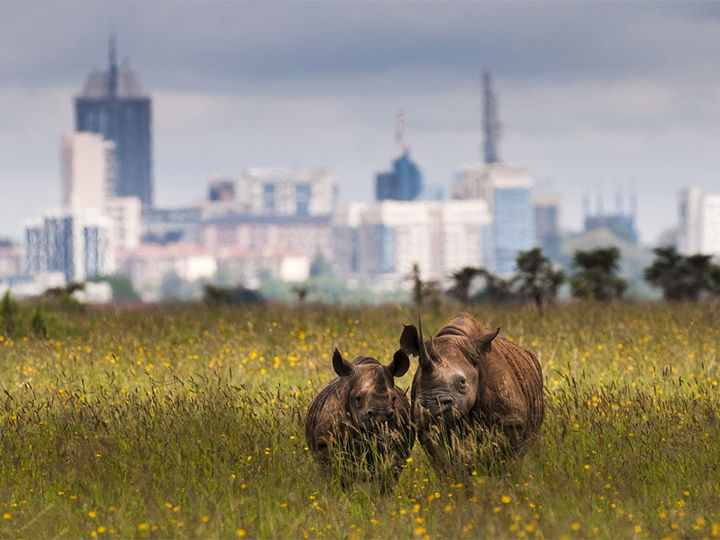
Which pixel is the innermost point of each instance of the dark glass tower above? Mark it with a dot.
(403, 183)
(113, 104)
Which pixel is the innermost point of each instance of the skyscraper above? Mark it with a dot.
(699, 227)
(75, 242)
(114, 105)
(514, 225)
(507, 190)
(404, 182)
(88, 168)
(546, 207)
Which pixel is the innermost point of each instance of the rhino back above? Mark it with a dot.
(512, 386)
(463, 324)
(326, 410)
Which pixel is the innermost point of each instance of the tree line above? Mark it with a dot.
(595, 277)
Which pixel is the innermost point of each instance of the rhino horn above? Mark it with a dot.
(341, 366)
(484, 344)
(426, 358)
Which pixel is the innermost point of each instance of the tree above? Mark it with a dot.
(122, 287)
(301, 292)
(424, 290)
(172, 286)
(538, 280)
(462, 279)
(320, 266)
(714, 280)
(699, 274)
(216, 295)
(498, 290)
(9, 315)
(682, 278)
(596, 278)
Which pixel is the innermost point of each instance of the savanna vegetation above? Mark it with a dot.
(186, 421)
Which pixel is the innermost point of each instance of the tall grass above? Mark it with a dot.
(188, 422)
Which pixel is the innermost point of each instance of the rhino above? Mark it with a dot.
(473, 390)
(359, 425)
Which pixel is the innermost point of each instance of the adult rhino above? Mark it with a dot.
(359, 425)
(473, 389)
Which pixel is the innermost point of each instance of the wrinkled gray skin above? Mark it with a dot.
(471, 385)
(363, 408)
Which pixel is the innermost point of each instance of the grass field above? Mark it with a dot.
(185, 422)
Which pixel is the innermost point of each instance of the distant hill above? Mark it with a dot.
(634, 259)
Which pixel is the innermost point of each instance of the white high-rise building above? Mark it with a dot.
(88, 168)
(506, 190)
(699, 226)
(126, 216)
(710, 225)
(273, 192)
(380, 242)
(75, 242)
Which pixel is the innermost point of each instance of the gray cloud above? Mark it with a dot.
(591, 94)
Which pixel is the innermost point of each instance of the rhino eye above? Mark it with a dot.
(358, 400)
(461, 383)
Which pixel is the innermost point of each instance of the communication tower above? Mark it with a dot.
(491, 123)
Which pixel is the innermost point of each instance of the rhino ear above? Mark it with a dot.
(484, 344)
(341, 366)
(410, 340)
(400, 364)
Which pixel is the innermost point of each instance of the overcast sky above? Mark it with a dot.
(594, 98)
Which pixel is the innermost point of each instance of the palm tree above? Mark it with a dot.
(681, 278)
(539, 281)
(462, 279)
(596, 278)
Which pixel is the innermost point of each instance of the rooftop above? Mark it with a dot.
(98, 85)
(116, 82)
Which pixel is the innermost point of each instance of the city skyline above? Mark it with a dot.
(592, 97)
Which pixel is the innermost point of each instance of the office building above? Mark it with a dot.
(272, 192)
(88, 170)
(114, 105)
(507, 192)
(402, 183)
(308, 236)
(10, 260)
(74, 242)
(378, 243)
(699, 223)
(125, 215)
(546, 209)
(620, 222)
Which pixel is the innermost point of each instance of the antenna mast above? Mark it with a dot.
(112, 80)
(491, 123)
(399, 127)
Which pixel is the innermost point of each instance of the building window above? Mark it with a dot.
(302, 199)
(269, 197)
(387, 249)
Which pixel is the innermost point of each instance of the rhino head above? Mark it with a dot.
(447, 383)
(370, 399)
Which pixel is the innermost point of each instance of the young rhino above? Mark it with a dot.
(473, 388)
(359, 424)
